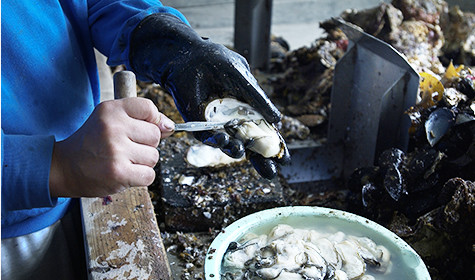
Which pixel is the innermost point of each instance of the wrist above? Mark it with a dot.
(58, 176)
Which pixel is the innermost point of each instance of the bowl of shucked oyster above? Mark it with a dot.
(305, 242)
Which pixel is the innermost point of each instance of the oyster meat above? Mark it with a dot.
(246, 124)
(250, 126)
(202, 155)
(294, 253)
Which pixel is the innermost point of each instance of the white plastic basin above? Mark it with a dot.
(409, 265)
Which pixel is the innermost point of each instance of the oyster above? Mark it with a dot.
(201, 155)
(353, 265)
(294, 253)
(250, 127)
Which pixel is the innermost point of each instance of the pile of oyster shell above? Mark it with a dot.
(425, 194)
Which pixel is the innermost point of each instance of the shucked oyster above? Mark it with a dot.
(202, 155)
(249, 126)
(298, 253)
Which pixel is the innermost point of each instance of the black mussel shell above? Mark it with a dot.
(370, 194)
(458, 141)
(438, 124)
(389, 158)
(422, 161)
(466, 87)
(395, 183)
(362, 176)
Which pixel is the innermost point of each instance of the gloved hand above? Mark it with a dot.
(196, 71)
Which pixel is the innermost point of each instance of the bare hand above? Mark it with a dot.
(115, 149)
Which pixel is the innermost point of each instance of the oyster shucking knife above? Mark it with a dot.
(201, 126)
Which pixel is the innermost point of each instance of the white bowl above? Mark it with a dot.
(409, 265)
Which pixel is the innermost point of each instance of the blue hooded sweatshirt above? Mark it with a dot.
(50, 86)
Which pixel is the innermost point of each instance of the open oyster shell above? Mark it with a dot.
(250, 126)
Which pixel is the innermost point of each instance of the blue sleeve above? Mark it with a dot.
(26, 162)
(112, 22)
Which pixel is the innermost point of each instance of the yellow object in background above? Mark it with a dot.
(431, 90)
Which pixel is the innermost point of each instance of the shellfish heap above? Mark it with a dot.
(425, 194)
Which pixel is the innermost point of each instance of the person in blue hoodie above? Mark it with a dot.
(60, 143)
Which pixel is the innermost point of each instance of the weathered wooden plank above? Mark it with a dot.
(122, 237)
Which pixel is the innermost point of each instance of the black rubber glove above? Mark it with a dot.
(196, 71)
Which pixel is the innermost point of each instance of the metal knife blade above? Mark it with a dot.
(199, 126)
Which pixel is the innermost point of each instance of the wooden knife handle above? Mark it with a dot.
(124, 85)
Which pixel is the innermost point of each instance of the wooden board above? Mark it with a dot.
(122, 238)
